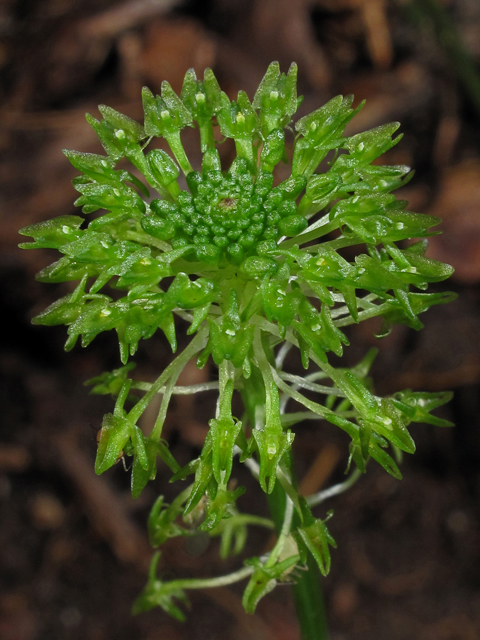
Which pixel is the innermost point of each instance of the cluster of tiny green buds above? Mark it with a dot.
(255, 266)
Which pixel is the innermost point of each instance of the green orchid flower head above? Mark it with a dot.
(274, 243)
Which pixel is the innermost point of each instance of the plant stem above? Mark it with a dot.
(307, 594)
(309, 604)
(173, 370)
(210, 583)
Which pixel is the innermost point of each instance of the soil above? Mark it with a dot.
(73, 546)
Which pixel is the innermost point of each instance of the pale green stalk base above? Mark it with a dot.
(307, 593)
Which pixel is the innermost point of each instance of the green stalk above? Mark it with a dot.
(309, 604)
(307, 593)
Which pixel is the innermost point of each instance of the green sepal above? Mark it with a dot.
(259, 266)
(382, 178)
(164, 172)
(167, 457)
(328, 267)
(224, 434)
(158, 227)
(318, 330)
(161, 521)
(97, 168)
(238, 120)
(119, 134)
(66, 310)
(369, 145)
(139, 270)
(279, 304)
(199, 315)
(224, 431)
(276, 97)
(160, 594)
(139, 442)
(134, 132)
(112, 197)
(189, 294)
(391, 226)
(65, 270)
(272, 446)
(253, 393)
(314, 536)
(52, 234)
(115, 434)
(376, 450)
(110, 382)
(264, 580)
(203, 100)
(273, 150)
(395, 431)
(418, 270)
(309, 339)
(144, 466)
(165, 115)
(320, 132)
(183, 472)
(203, 476)
(321, 189)
(230, 340)
(419, 302)
(417, 405)
(220, 505)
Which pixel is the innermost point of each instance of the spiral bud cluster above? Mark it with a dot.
(227, 218)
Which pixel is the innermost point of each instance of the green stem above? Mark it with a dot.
(282, 534)
(179, 390)
(172, 371)
(178, 151)
(307, 594)
(309, 604)
(316, 230)
(246, 518)
(210, 583)
(337, 489)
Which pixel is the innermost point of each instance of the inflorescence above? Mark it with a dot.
(255, 269)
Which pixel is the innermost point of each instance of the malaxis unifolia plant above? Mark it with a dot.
(256, 269)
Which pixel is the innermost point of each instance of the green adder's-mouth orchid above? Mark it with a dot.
(255, 266)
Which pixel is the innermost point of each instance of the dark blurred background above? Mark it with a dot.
(73, 546)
